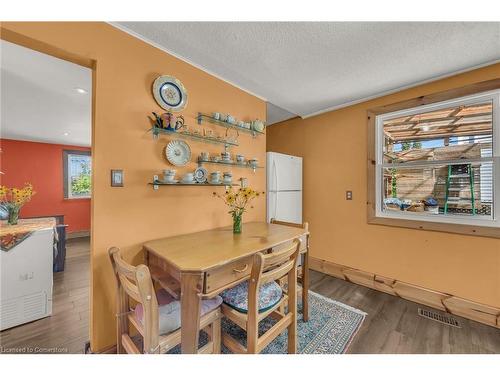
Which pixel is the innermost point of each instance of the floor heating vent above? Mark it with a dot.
(449, 320)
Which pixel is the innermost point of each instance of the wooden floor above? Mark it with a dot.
(394, 326)
(391, 326)
(67, 330)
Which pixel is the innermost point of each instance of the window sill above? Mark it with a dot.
(466, 229)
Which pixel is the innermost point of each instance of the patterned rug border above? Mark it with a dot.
(350, 308)
(347, 307)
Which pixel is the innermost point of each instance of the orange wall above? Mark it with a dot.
(128, 216)
(42, 165)
(333, 146)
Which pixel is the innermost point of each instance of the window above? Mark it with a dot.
(440, 162)
(77, 170)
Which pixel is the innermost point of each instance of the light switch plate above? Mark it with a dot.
(348, 195)
(117, 177)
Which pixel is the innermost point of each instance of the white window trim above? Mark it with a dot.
(67, 178)
(494, 96)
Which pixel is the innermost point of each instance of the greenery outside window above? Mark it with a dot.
(77, 172)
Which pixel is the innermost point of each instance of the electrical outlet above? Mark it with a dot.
(348, 195)
(26, 276)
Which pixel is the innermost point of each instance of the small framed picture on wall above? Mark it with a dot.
(117, 177)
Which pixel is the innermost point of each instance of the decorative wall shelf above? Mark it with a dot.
(198, 137)
(231, 164)
(207, 118)
(157, 183)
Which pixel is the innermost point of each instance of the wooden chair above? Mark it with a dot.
(136, 283)
(253, 308)
(303, 269)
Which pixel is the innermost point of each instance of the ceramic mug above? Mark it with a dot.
(215, 177)
(169, 174)
(227, 179)
(253, 162)
(216, 115)
(230, 119)
(240, 158)
(188, 177)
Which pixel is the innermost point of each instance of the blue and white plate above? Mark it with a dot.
(170, 93)
(200, 175)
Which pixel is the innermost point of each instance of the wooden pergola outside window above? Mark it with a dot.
(434, 160)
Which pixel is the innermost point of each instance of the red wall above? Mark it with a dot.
(41, 164)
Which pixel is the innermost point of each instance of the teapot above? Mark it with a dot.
(168, 121)
(172, 123)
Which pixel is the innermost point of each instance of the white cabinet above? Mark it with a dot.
(26, 280)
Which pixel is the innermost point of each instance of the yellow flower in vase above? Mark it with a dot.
(237, 202)
(14, 198)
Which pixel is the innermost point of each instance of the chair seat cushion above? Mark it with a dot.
(237, 297)
(169, 310)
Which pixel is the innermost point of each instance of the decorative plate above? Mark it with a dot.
(178, 153)
(170, 93)
(200, 175)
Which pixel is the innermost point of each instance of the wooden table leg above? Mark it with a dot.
(292, 309)
(190, 311)
(305, 287)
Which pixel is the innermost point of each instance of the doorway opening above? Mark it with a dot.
(45, 142)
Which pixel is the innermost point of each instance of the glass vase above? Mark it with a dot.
(237, 223)
(13, 214)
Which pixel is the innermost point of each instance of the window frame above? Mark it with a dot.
(66, 188)
(480, 92)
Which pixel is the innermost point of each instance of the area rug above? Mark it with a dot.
(331, 328)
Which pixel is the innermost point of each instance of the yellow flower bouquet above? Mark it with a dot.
(13, 199)
(237, 200)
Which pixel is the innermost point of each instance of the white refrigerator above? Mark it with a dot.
(284, 187)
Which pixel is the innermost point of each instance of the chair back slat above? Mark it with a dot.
(121, 267)
(130, 288)
(278, 257)
(305, 238)
(270, 267)
(274, 221)
(277, 273)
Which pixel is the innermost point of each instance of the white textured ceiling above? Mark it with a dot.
(309, 67)
(38, 98)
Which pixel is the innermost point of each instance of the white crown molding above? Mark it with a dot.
(156, 45)
(402, 88)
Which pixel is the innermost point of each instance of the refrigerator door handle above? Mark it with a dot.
(275, 206)
(275, 176)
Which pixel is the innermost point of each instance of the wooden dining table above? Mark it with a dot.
(203, 264)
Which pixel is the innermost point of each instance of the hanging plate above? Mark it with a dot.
(178, 153)
(170, 93)
(200, 175)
